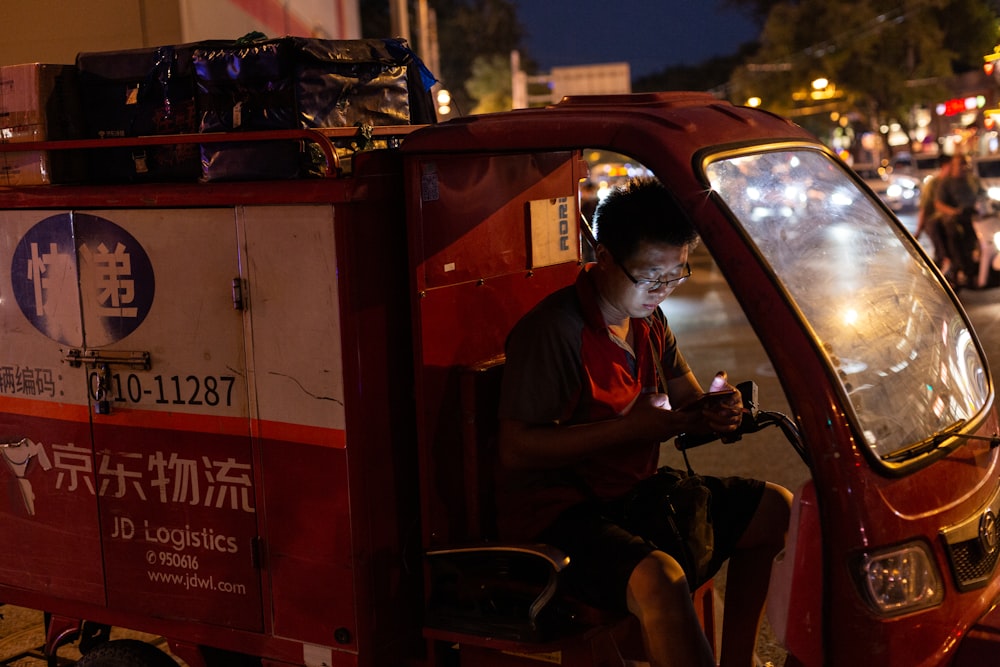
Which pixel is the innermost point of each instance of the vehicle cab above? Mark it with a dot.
(894, 540)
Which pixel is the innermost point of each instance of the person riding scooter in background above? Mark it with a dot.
(955, 201)
(929, 218)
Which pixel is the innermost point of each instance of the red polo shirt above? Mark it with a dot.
(564, 367)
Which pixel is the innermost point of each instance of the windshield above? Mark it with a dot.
(902, 352)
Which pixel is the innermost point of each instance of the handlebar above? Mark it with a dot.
(754, 419)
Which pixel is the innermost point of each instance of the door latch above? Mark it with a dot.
(101, 361)
(100, 388)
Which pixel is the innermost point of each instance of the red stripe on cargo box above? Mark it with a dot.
(47, 409)
(177, 421)
(309, 435)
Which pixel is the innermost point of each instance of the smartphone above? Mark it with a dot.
(710, 398)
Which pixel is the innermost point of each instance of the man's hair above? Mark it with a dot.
(641, 211)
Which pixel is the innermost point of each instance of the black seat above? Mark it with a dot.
(487, 587)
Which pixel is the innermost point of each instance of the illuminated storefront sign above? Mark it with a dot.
(955, 106)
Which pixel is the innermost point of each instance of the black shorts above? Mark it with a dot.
(605, 545)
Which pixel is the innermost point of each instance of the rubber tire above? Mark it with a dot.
(126, 653)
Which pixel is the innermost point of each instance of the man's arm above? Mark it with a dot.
(943, 200)
(535, 446)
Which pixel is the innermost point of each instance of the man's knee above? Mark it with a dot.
(777, 503)
(770, 522)
(657, 582)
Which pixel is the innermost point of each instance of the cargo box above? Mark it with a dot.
(39, 102)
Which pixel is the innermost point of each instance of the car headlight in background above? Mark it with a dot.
(901, 189)
(901, 580)
(897, 191)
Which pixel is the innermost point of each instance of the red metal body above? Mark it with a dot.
(294, 423)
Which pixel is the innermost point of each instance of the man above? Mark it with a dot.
(928, 217)
(955, 202)
(583, 411)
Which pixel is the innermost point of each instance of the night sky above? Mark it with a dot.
(648, 34)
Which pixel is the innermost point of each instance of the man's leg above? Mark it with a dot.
(953, 244)
(659, 596)
(749, 574)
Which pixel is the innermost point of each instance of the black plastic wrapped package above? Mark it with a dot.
(243, 87)
(246, 86)
(138, 92)
(347, 83)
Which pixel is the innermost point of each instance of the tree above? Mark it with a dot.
(883, 56)
(490, 84)
(469, 31)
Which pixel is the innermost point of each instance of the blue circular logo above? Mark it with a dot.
(82, 280)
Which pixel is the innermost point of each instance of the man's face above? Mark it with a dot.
(638, 284)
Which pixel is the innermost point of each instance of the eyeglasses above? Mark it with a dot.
(654, 285)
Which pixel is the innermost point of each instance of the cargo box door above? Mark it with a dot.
(48, 507)
(163, 332)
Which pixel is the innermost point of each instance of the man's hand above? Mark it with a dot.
(718, 411)
(724, 415)
(708, 414)
(650, 417)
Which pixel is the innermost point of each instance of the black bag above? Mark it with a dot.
(673, 510)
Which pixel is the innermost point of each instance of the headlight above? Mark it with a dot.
(894, 190)
(901, 580)
(993, 192)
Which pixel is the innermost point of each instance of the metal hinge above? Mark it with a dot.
(238, 303)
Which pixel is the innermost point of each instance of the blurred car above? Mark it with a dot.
(904, 177)
(902, 192)
(921, 166)
(987, 169)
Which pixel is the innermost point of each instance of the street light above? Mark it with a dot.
(822, 89)
(444, 102)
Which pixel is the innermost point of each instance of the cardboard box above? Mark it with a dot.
(24, 167)
(39, 102)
